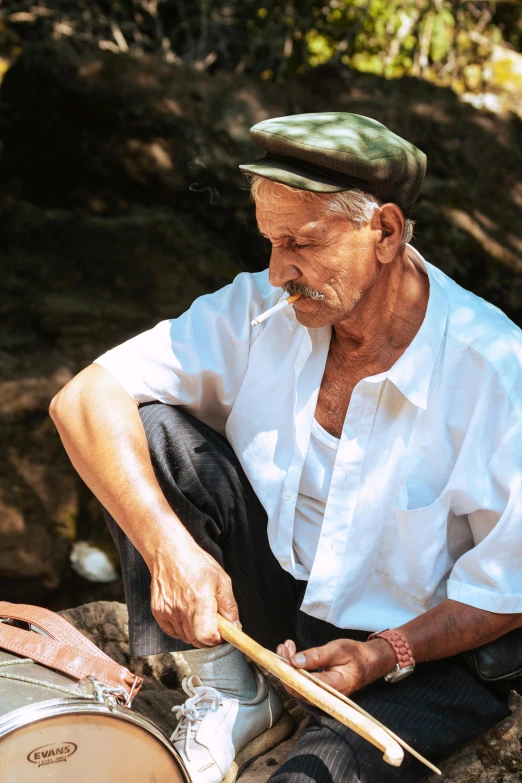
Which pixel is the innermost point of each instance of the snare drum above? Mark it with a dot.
(55, 729)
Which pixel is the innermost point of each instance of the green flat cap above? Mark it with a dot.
(329, 152)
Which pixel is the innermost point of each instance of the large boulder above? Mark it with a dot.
(494, 758)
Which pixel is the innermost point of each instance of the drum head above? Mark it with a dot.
(87, 748)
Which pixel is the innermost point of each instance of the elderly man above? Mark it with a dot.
(351, 464)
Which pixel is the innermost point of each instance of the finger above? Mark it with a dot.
(334, 679)
(174, 629)
(294, 694)
(168, 625)
(183, 626)
(287, 650)
(290, 646)
(175, 620)
(166, 612)
(315, 658)
(180, 627)
(204, 622)
(226, 603)
(283, 652)
(191, 636)
(168, 628)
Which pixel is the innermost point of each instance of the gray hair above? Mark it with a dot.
(355, 205)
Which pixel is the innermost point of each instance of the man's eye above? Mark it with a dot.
(302, 247)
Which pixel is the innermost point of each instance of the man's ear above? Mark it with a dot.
(389, 220)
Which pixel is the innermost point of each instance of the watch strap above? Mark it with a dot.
(400, 646)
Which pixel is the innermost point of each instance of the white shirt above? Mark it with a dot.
(312, 497)
(425, 500)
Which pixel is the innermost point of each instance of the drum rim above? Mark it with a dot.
(34, 713)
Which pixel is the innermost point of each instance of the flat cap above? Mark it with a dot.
(328, 152)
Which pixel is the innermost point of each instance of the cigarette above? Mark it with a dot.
(275, 309)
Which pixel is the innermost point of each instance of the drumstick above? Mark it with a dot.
(314, 693)
(363, 712)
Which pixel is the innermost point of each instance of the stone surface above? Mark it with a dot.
(495, 758)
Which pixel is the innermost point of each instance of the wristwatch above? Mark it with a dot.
(405, 662)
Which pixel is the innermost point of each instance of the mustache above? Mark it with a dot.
(293, 287)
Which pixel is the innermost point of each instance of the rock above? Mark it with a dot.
(494, 758)
(91, 563)
(38, 501)
(261, 769)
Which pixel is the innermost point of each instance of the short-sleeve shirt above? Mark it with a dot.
(425, 501)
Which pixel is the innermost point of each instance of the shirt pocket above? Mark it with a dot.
(413, 553)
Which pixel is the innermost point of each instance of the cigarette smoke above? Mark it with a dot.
(201, 187)
(292, 287)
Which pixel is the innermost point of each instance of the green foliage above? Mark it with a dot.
(445, 41)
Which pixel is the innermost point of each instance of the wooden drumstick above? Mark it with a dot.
(316, 694)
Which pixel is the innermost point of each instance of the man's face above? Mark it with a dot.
(324, 252)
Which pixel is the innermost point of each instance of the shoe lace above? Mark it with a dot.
(191, 713)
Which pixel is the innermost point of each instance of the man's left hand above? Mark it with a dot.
(345, 665)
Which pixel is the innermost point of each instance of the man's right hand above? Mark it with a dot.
(101, 430)
(188, 588)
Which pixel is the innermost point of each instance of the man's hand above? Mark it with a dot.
(448, 629)
(188, 587)
(346, 665)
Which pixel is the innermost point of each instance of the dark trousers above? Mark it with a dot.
(438, 709)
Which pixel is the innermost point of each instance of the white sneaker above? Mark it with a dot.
(217, 736)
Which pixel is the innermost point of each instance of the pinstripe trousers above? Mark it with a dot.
(438, 709)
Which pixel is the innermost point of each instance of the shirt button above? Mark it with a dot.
(287, 495)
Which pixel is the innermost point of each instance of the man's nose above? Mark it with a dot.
(282, 267)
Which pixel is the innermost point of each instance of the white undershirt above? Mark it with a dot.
(313, 494)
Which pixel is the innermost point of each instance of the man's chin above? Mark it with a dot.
(312, 320)
(321, 315)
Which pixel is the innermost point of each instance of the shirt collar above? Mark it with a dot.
(413, 371)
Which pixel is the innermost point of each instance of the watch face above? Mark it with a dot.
(399, 674)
